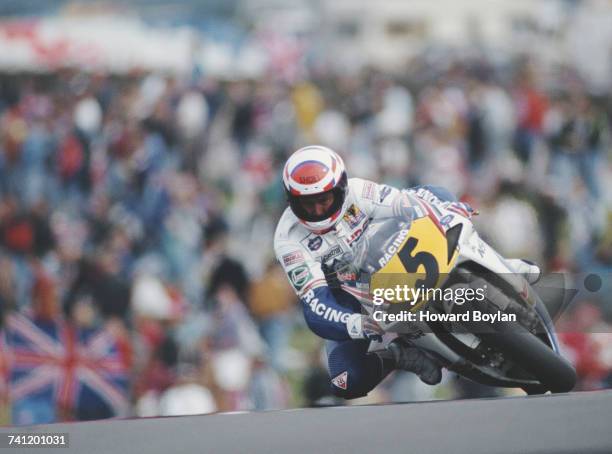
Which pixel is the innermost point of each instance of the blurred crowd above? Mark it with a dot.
(145, 205)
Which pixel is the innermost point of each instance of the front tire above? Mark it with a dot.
(529, 353)
(525, 349)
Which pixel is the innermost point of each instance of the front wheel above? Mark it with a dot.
(529, 353)
(526, 350)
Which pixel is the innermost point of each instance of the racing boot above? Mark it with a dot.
(529, 270)
(414, 360)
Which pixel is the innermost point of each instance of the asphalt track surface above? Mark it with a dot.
(563, 423)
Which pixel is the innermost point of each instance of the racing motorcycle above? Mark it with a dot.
(503, 336)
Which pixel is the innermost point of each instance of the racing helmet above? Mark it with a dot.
(310, 172)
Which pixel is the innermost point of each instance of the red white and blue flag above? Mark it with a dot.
(75, 370)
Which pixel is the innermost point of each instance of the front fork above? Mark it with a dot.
(474, 249)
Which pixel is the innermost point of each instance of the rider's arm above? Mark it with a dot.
(381, 200)
(324, 315)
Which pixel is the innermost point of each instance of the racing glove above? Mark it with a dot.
(361, 326)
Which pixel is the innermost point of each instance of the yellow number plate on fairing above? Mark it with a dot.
(421, 260)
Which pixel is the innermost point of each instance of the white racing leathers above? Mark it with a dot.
(307, 257)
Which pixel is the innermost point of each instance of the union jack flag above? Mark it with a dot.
(75, 370)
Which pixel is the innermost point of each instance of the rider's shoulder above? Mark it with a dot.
(371, 194)
(363, 189)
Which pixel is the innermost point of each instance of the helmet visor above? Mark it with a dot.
(318, 207)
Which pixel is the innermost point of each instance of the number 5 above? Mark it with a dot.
(411, 263)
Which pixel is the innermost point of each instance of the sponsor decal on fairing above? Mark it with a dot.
(446, 220)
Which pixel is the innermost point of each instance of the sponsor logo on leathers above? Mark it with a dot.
(341, 380)
(300, 276)
(315, 243)
(293, 258)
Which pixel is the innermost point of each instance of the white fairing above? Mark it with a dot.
(471, 249)
(475, 249)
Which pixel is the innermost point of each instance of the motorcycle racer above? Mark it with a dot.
(327, 215)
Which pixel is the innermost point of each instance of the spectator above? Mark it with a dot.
(271, 302)
(102, 174)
